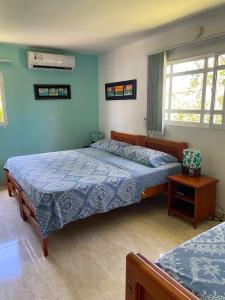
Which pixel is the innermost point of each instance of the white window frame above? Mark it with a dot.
(3, 100)
(202, 111)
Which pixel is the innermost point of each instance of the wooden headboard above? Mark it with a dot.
(127, 138)
(173, 148)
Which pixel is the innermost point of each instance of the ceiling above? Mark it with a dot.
(89, 25)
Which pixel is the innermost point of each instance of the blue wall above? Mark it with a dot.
(47, 125)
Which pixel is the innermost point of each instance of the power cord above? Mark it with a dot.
(218, 218)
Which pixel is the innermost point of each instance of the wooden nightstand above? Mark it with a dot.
(192, 198)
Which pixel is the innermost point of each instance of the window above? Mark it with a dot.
(3, 117)
(195, 91)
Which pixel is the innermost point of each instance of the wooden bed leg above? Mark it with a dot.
(8, 186)
(23, 215)
(9, 191)
(45, 247)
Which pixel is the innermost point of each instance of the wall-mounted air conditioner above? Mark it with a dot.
(37, 60)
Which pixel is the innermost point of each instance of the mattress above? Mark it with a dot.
(199, 264)
(65, 186)
(147, 176)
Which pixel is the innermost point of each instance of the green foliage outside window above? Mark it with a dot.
(188, 90)
(2, 106)
(1, 115)
(1, 112)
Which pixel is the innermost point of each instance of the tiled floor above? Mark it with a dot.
(87, 258)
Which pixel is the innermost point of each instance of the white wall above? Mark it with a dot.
(130, 62)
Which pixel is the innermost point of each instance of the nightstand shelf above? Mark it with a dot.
(185, 214)
(189, 199)
(192, 198)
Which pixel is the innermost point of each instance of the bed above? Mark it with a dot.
(193, 270)
(54, 189)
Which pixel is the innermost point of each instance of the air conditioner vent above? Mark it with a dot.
(37, 60)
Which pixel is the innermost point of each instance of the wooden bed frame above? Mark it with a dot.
(28, 211)
(146, 281)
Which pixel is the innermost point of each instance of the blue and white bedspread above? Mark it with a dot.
(68, 185)
(199, 264)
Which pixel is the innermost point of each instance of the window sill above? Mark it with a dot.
(190, 125)
(4, 125)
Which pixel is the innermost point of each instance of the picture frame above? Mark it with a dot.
(121, 90)
(52, 91)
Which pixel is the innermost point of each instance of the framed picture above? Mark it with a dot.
(121, 90)
(53, 91)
